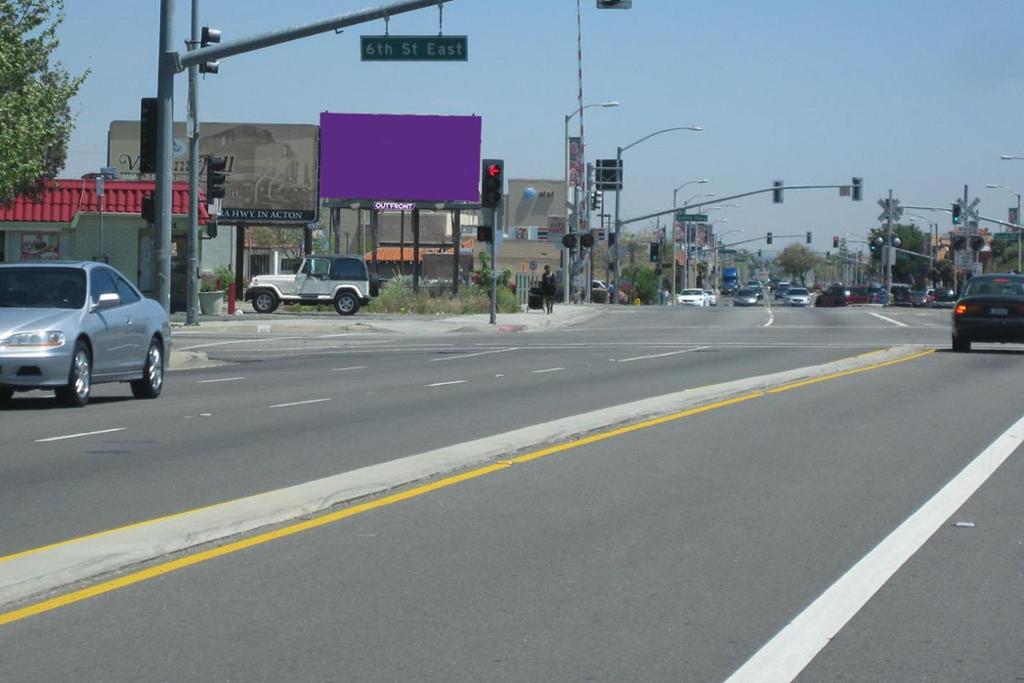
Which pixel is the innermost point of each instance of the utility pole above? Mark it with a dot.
(191, 315)
(618, 224)
(888, 248)
(164, 152)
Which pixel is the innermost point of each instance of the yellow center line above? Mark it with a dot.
(360, 508)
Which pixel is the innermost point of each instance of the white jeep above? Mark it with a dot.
(339, 280)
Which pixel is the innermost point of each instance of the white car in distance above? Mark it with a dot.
(797, 296)
(712, 298)
(692, 297)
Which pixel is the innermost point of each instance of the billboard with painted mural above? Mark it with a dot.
(400, 157)
(272, 167)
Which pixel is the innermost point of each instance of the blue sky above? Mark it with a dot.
(921, 96)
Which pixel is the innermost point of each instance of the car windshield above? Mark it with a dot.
(42, 287)
(745, 292)
(693, 292)
(797, 291)
(999, 286)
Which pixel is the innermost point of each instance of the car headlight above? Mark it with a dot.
(34, 340)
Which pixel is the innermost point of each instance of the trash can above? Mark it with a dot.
(535, 299)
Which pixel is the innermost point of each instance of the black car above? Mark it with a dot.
(901, 296)
(943, 297)
(990, 310)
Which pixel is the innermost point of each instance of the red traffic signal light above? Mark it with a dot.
(587, 240)
(569, 241)
(491, 183)
(484, 233)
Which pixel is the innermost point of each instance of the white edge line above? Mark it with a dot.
(221, 379)
(75, 436)
(541, 372)
(661, 355)
(471, 355)
(444, 384)
(787, 654)
(888, 320)
(354, 367)
(299, 403)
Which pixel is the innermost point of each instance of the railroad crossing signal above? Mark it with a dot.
(896, 210)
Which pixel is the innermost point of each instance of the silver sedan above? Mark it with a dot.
(67, 325)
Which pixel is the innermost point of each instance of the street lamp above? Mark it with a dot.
(689, 182)
(1004, 187)
(575, 190)
(618, 191)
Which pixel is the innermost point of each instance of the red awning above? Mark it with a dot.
(64, 199)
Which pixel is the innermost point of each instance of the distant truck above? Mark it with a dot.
(339, 280)
(730, 280)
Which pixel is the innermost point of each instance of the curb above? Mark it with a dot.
(38, 571)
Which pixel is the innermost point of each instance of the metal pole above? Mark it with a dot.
(565, 250)
(494, 270)
(618, 224)
(164, 151)
(672, 224)
(589, 282)
(192, 276)
(1018, 235)
(456, 249)
(888, 249)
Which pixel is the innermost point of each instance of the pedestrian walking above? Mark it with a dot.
(548, 288)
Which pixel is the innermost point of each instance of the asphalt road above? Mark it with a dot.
(669, 553)
(287, 410)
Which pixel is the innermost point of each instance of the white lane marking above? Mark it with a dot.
(232, 341)
(76, 436)
(471, 355)
(299, 403)
(222, 379)
(354, 367)
(659, 355)
(888, 320)
(771, 319)
(541, 372)
(444, 384)
(787, 654)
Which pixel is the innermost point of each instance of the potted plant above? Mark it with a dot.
(211, 296)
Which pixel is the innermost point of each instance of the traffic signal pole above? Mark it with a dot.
(888, 243)
(164, 152)
(191, 315)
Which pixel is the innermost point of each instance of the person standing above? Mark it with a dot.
(548, 288)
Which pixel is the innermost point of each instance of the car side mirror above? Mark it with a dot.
(107, 300)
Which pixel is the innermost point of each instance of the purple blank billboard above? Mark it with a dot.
(398, 157)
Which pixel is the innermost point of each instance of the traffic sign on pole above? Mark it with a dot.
(691, 218)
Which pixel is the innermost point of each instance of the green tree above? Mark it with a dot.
(796, 260)
(35, 117)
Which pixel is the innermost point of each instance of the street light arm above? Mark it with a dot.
(666, 130)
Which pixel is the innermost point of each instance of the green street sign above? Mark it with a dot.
(691, 218)
(1005, 236)
(414, 48)
(726, 251)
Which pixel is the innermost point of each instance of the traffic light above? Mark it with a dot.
(654, 252)
(215, 178)
(777, 192)
(209, 35)
(768, 239)
(808, 237)
(148, 211)
(957, 213)
(959, 243)
(587, 240)
(611, 238)
(597, 200)
(614, 4)
(569, 241)
(211, 230)
(147, 135)
(491, 183)
(835, 241)
(858, 189)
(484, 233)
(977, 243)
(758, 253)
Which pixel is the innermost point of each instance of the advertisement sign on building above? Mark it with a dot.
(400, 157)
(556, 228)
(575, 162)
(40, 246)
(531, 202)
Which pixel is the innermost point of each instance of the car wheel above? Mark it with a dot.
(264, 302)
(961, 345)
(152, 382)
(75, 393)
(5, 395)
(346, 303)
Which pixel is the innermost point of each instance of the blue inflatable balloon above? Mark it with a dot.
(530, 193)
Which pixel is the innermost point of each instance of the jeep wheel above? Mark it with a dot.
(346, 303)
(264, 302)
